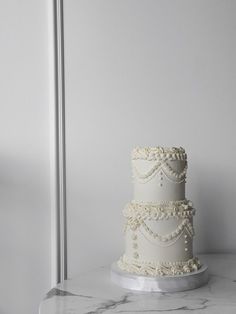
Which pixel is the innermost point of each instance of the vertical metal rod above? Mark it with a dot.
(61, 224)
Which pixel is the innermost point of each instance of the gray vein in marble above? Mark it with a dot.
(201, 306)
(62, 293)
(93, 293)
(110, 304)
(183, 308)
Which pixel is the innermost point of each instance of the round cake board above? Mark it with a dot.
(173, 283)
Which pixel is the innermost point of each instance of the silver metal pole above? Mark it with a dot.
(61, 224)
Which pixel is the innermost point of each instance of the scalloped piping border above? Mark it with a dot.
(158, 211)
(156, 153)
(159, 268)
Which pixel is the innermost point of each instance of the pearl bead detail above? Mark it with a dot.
(177, 177)
(186, 249)
(184, 224)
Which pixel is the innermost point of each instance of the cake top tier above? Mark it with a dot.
(158, 152)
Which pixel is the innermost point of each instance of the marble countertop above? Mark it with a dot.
(94, 293)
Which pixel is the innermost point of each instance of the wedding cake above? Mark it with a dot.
(159, 220)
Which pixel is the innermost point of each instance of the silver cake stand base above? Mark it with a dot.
(159, 284)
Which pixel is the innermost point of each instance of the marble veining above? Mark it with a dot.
(53, 292)
(110, 304)
(93, 293)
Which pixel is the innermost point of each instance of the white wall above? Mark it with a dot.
(24, 156)
(148, 73)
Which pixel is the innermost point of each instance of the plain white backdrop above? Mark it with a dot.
(148, 73)
(25, 188)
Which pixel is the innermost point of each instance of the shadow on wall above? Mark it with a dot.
(215, 216)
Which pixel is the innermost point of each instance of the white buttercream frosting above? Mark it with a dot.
(159, 268)
(137, 212)
(157, 181)
(158, 152)
(158, 221)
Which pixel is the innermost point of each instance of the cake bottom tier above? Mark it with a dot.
(159, 239)
(158, 268)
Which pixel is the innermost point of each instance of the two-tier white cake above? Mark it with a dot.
(159, 228)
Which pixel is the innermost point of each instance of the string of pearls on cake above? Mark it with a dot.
(184, 225)
(172, 175)
(159, 243)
